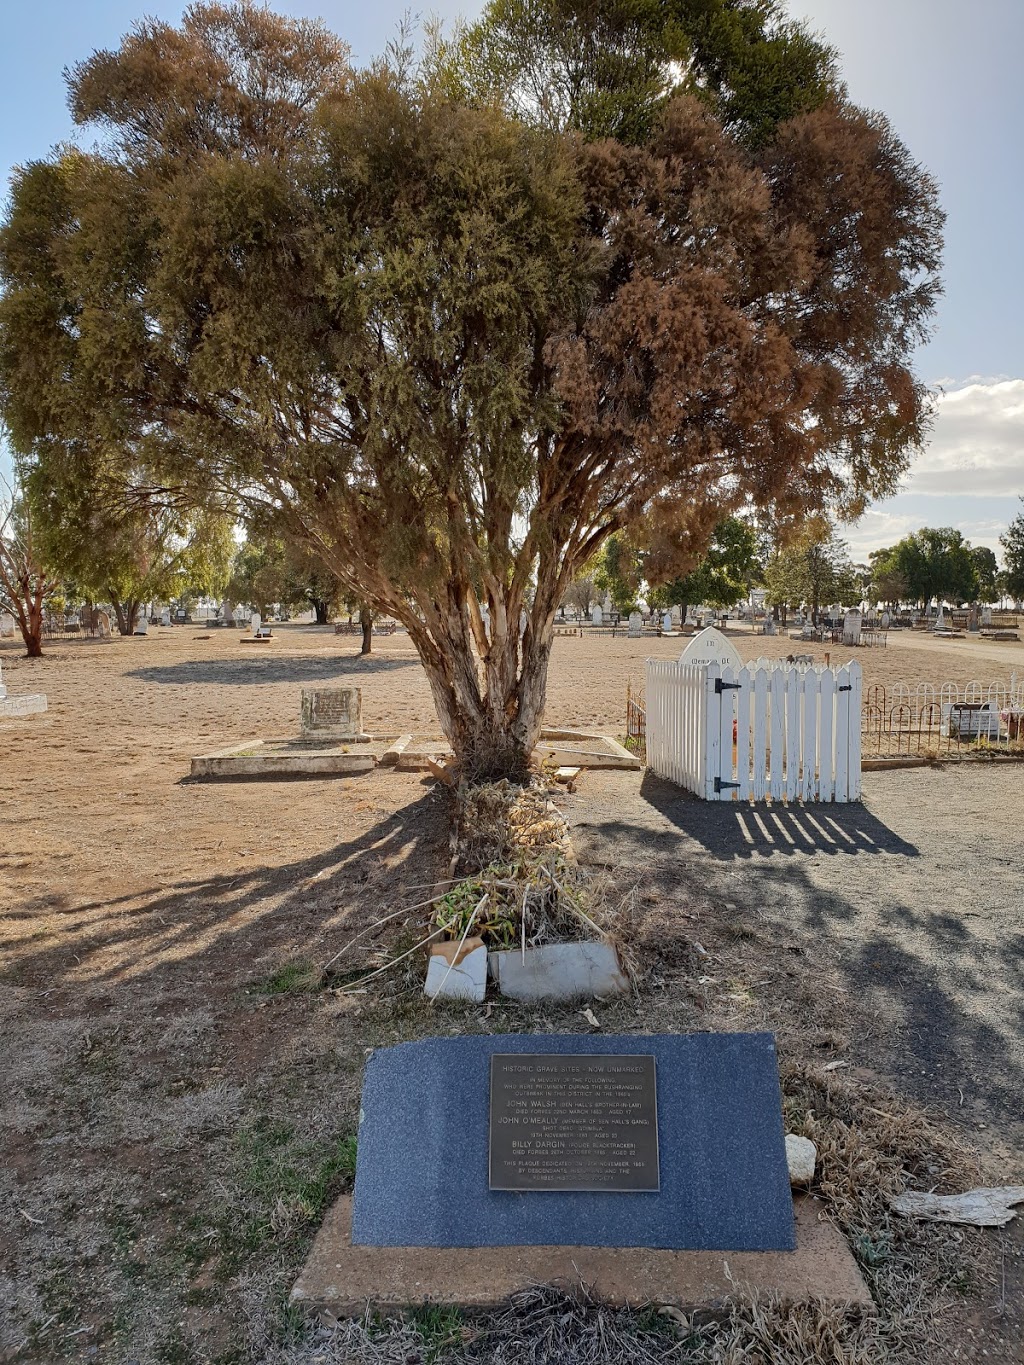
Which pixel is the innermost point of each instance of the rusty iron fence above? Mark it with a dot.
(636, 722)
(926, 720)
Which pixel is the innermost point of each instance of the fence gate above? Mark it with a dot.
(767, 729)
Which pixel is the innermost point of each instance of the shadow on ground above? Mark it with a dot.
(729, 830)
(250, 669)
(220, 923)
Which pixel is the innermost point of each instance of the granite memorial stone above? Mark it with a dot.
(708, 1143)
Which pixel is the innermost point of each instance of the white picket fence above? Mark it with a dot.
(769, 729)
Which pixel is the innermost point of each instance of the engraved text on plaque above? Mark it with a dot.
(573, 1122)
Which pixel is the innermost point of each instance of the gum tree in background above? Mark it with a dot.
(27, 581)
(456, 341)
(1012, 542)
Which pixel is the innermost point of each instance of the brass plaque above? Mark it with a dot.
(573, 1121)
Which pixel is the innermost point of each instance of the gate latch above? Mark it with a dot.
(721, 784)
(721, 686)
(846, 687)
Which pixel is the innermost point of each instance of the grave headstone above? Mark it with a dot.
(636, 624)
(332, 713)
(7, 624)
(597, 616)
(851, 628)
(666, 621)
(165, 616)
(669, 1141)
(986, 617)
(711, 647)
(141, 624)
(227, 610)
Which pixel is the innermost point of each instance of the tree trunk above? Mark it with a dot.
(320, 607)
(488, 678)
(366, 621)
(121, 613)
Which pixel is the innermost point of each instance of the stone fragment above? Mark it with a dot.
(559, 971)
(801, 1158)
(455, 974)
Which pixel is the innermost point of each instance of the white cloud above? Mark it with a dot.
(970, 475)
(977, 444)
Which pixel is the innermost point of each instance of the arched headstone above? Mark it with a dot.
(666, 621)
(851, 628)
(711, 647)
(597, 615)
(636, 623)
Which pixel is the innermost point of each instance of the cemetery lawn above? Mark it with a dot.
(181, 1094)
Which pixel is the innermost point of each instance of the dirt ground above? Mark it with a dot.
(180, 1104)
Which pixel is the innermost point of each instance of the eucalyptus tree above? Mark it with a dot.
(455, 347)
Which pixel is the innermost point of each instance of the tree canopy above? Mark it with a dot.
(1012, 542)
(933, 563)
(455, 348)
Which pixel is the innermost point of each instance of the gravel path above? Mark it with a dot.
(911, 902)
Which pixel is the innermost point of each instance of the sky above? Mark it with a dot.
(946, 74)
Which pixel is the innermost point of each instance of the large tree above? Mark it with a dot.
(935, 563)
(1012, 542)
(456, 347)
(27, 580)
(128, 548)
(815, 569)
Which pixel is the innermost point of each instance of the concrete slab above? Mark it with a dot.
(559, 971)
(280, 758)
(32, 704)
(346, 1279)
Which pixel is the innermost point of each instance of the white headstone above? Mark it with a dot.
(986, 617)
(769, 625)
(227, 610)
(636, 624)
(596, 615)
(711, 647)
(677, 615)
(256, 622)
(606, 605)
(7, 624)
(885, 620)
(940, 620)
(851, 628)
(141, 624)
(165, 616)
(666, 621)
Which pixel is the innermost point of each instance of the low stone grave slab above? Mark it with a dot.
(695, 1119)
(559, 971)
(345, 1280)
(32, 704)
(281, 758)
(583, 749)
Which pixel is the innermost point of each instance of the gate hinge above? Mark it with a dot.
(721, 784)
(721, 686)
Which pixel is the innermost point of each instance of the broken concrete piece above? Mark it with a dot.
(801, 1158)
(455, 974)
(559, 971)
(391, 755)
(984, 1208)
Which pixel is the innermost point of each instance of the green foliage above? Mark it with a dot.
(1013, 553)
(815, 570)
(607, 67)
(986, 572)
(725, 575)
(933, 563)
(618, 574)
